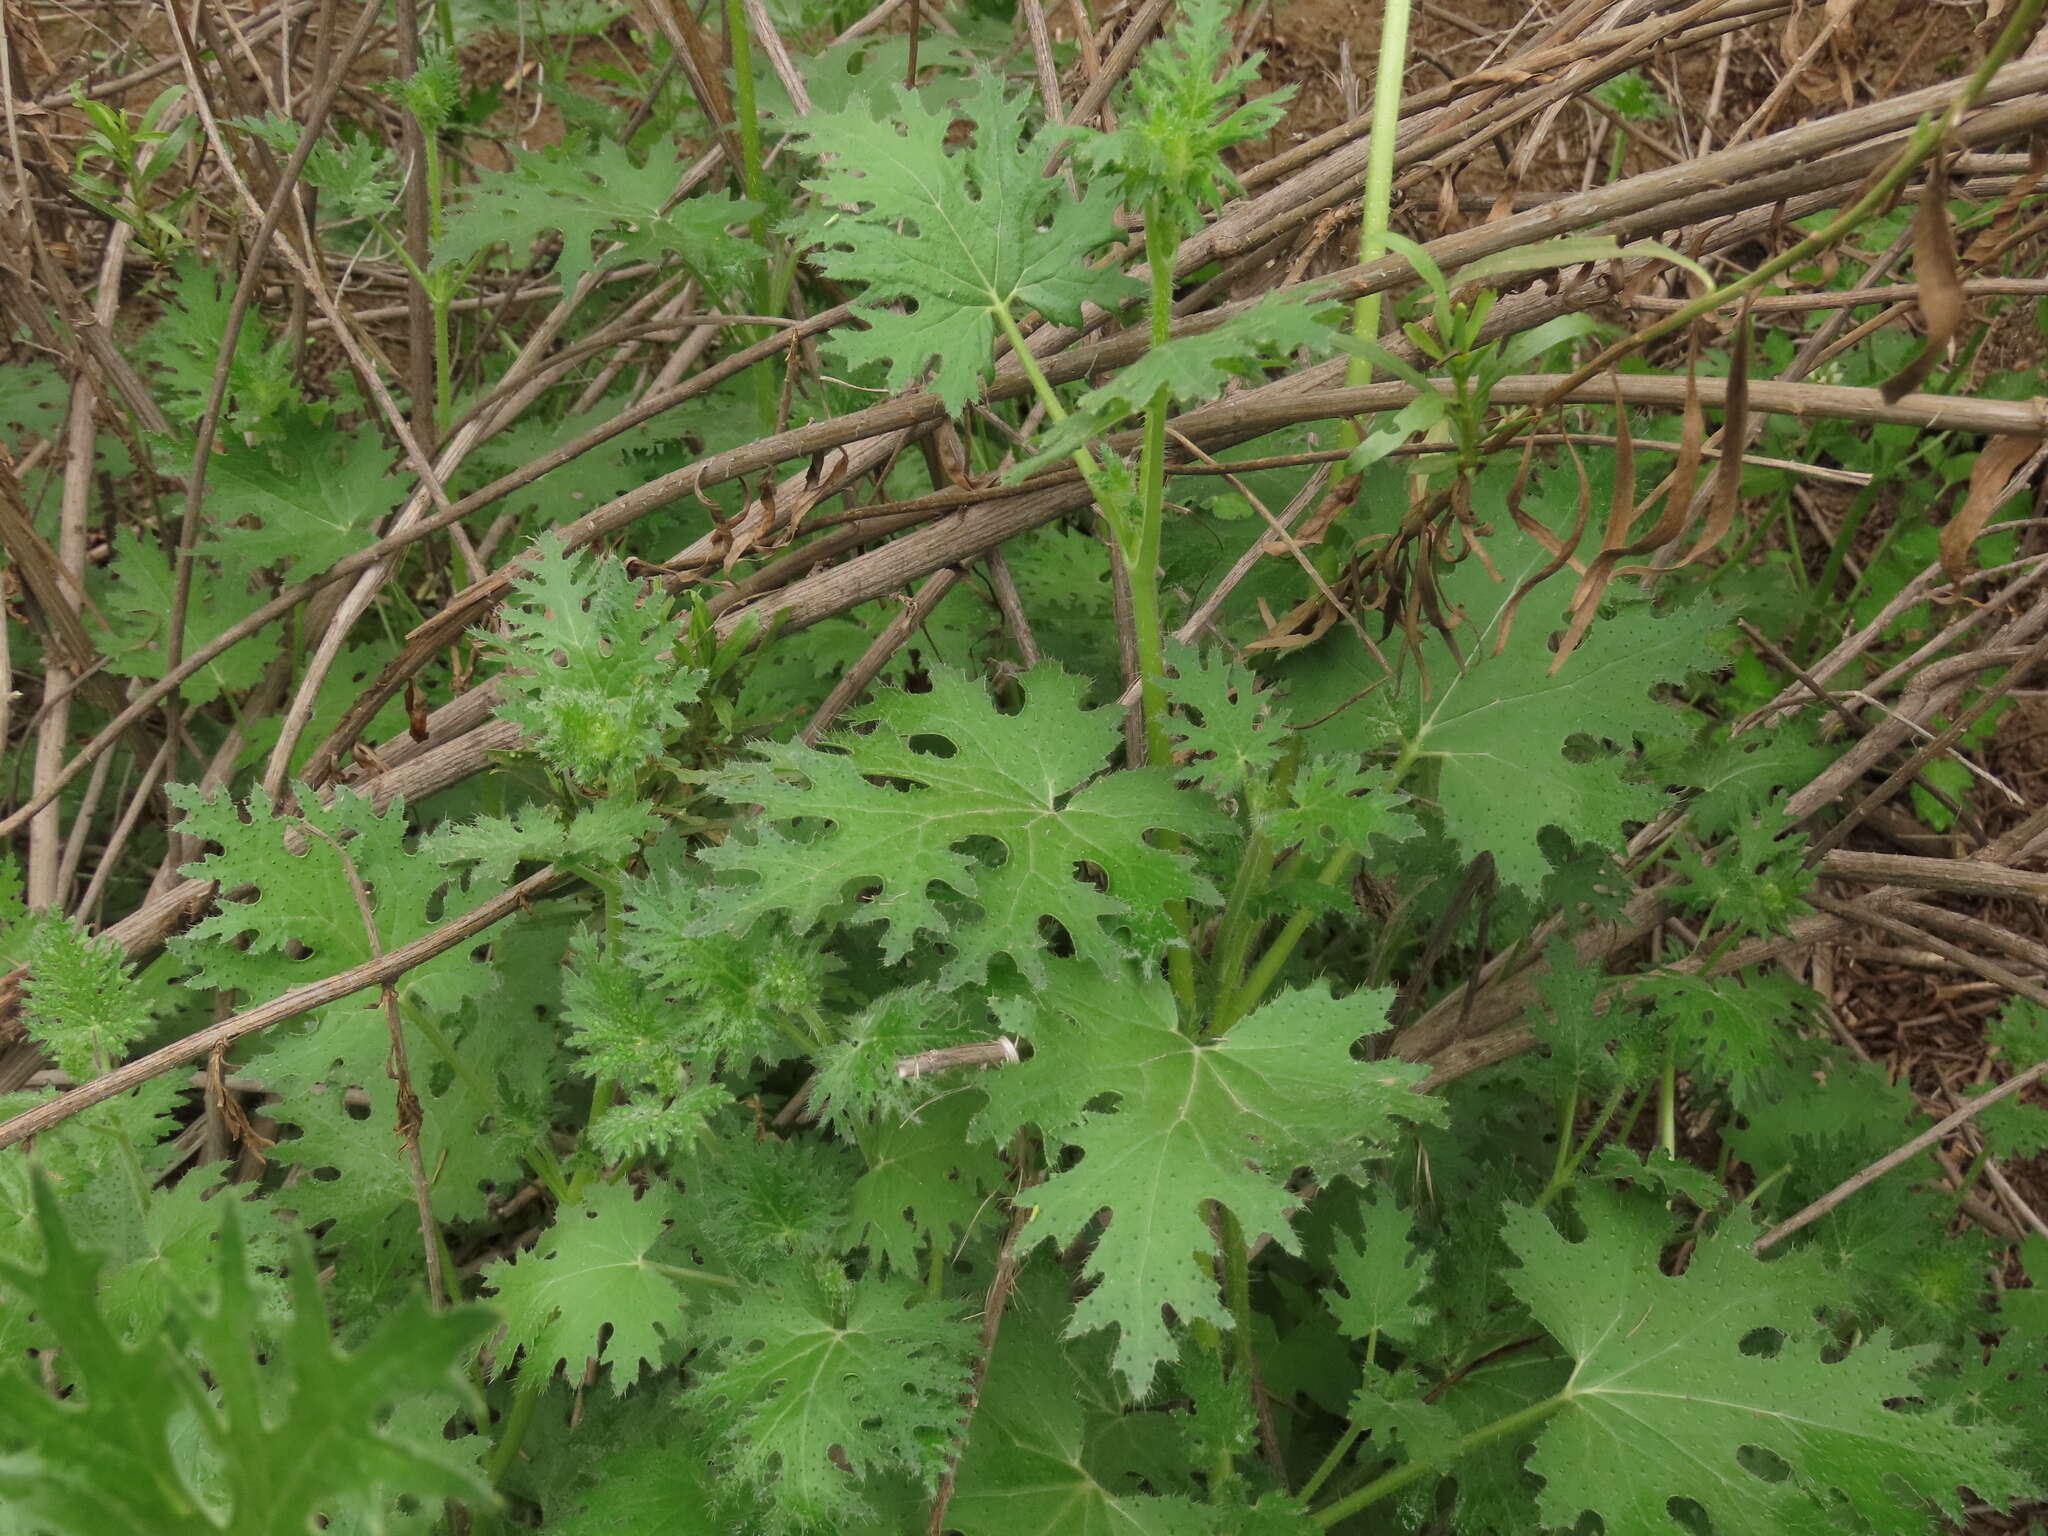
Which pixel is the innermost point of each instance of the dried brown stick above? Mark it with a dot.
(1962, 877)
(1903, 1153)
(1592, 206)
(391, 544)
(294, 1004)
(253, 32)
(269, 218)
(892, 638)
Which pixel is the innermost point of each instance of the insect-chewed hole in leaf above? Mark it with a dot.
(992, 851)
(1764, 1343)
(326, 1175)
(1768, 1465)
(933, 746)
(1055, 937)
(1687, 1514)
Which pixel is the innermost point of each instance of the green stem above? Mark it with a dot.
(1331, 1462)
(439, 292)
(1618, 154)
(548, 1169)
(1248, 996)
(1562, 1179)
(1237, 1290)
(1567, 1117)
(1142, 556)
(1415, 1471)
(1113, 511)
(533, 1386)
(1376, 206)
(1235, 932)
(1667, 1100)
(822, 1033)
(697, 1276)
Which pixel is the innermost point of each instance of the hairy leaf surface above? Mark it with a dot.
(1019, 782)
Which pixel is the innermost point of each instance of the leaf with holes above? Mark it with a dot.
(880, 808)
(967, 240)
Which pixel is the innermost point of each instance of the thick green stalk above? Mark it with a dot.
(1561, 1179)
(1375, 209)
(1141, 565)
(1667, 1100)
(1394, 1481)
(1333, 1461)
(1238, 927)
(1567, 1117)
(1248, 996)
(1116, 515)
(1235, 932)
(533, 1386)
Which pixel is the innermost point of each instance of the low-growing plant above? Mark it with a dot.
(1027, 1098)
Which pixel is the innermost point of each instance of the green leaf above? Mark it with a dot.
(726, 1000)
(656, 1482)
(1683, 1370)
(300, 921)
(296, 501)
(962, 238)
(1190, 369)
(592, 191)
(820, 1384)
(1736, 1027)
(1018, 780)
(1194, 368)
(592, 673)
(928, 1178)
(222, 1420)
(590, 1272)
(857, 1077)
(1499, 728)
(2003, 1387)
(184, 346)
(1229, 730)
(1178, 115)
(1381, 1282)
(759, 1203)
(1037, 1463)
(602, 835)
(1661, 1173)
(1228, 1120)
(2014, 1128)
(1593, 1041)
(142, 595)
(79, 1002)
(1331, 805)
